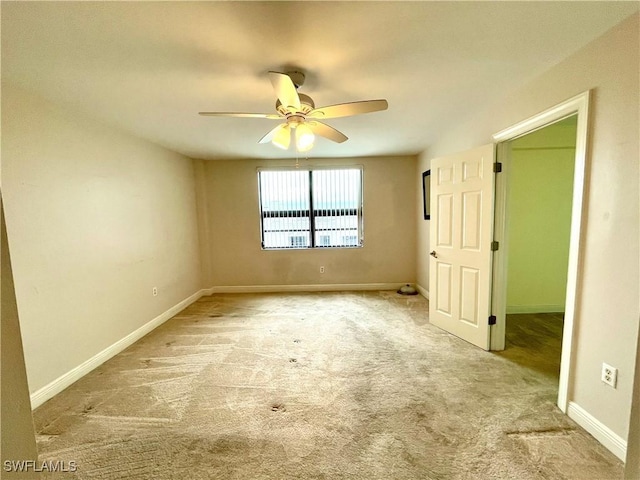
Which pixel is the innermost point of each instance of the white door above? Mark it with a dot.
(462, 192)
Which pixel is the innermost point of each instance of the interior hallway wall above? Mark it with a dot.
(96, 218)
(609, 278)
(237, 258)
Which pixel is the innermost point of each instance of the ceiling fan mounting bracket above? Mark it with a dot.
(297, 78)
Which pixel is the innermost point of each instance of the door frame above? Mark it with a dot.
(576, 105)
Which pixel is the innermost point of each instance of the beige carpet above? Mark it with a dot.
(321, 386)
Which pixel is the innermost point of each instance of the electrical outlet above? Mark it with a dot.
(609, 375)
(155, 291)
(322, 269)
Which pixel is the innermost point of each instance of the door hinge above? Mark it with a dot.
(492, 319)
(497, 167)
(495, 246)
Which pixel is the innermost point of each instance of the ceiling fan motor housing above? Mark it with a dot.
(306, 105)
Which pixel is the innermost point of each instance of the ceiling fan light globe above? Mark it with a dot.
(305, 148)
(304, 138)
(282, 138)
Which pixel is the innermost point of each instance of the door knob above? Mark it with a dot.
(434, 254)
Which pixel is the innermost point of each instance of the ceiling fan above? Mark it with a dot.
(301, 118)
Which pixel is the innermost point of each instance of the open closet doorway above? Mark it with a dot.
(538, 212)
(539, 172)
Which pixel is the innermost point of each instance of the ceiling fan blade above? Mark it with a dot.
(272, 133)
(348, 109)
(285, 90)
(326, 131)
(240, 114)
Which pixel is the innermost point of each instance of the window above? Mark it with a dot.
(317, 208)
(298, 241)
(325, 241)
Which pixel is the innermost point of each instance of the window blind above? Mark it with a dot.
(315, 208)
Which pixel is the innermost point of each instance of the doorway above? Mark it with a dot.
(573, 113)
(539, 171)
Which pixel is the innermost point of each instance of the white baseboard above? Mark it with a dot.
(614, 443)
(303, 288)
(535, 309)
(423, 291)
(48, 391)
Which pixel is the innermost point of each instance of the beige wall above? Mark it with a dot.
(18, 441)
(96, 218)
(236, 257)
(422, 228)
(607, 316)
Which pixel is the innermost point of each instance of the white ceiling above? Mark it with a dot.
(149, 67)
